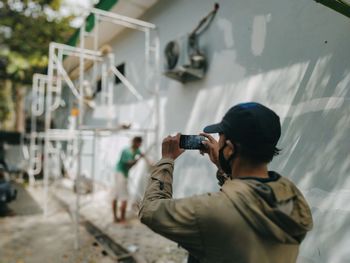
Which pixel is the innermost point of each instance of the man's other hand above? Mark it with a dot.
(211, 147)
(171, 147)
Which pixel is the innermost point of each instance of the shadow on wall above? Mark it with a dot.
(316, 156)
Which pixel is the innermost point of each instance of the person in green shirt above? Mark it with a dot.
(129, 157)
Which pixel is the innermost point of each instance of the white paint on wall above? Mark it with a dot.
(258, 36)
(226, 26)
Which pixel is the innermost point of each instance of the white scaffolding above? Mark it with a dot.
(37, 110)
(47, 97)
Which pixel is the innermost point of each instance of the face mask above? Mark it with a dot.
(225, 164)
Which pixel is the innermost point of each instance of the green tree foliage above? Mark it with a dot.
(26, 29)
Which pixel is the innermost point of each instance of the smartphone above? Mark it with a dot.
(192, 142)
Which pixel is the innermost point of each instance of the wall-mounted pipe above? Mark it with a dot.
(339, 6)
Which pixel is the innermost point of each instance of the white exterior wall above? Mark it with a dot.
(292, 56)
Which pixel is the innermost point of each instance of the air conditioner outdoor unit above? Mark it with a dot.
(183, 59)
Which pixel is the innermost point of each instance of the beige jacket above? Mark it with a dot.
(248, 221)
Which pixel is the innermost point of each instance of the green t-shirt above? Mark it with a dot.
(127, 155)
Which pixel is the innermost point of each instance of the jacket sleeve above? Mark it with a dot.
(174, 219)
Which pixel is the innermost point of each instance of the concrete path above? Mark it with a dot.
(28, 237)
(141, 242)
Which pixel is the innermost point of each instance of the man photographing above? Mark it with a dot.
(257, 216)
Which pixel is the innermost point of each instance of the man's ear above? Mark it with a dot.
(231, 147)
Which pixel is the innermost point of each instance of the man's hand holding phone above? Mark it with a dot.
(211, 147)
(174, 146)
(171, 147)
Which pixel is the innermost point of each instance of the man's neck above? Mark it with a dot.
(134, 149)
(240, 169)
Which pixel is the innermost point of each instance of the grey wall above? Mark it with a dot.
(290, 55)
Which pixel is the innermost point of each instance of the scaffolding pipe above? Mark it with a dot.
(96, 33)
(157, 92)
(93, 166)
(58, 84)
(147, 57)
(127, 83)
(123, 23)
(76, 50)
(47, 127)
(66, 77)
(38, 93)
(67, 50)
(80, 123)
(37, 109)
(129, 20)
(32, 156)
(37, 160)
(86, 54)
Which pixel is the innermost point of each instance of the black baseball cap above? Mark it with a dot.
(249, 123)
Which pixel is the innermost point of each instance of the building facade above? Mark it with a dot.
(289, 55)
